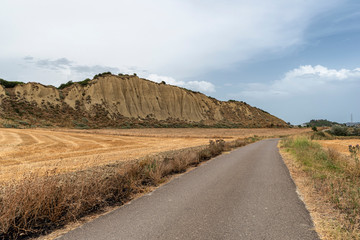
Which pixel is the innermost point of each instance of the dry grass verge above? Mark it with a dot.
(329, 183)
(39, 204)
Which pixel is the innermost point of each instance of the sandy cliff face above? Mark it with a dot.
(138, 98)
(2, 93)
(38, 93)
(2, 96)
(124, 98)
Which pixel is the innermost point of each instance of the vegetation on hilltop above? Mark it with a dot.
(321, 123)
(84, 82)
(102, 74)
(9, 84)
(65, 85)
(69, 83)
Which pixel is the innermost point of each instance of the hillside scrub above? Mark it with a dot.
(335, 180)
(339, 130)
(39, 204)
(320, 135)
(69, 83)
(321, 123)
(9, 84)
(335, 132)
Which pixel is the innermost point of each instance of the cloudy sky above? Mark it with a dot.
(297, 59)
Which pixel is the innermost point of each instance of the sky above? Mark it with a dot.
(296, 59)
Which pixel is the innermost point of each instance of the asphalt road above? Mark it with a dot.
(246, 194)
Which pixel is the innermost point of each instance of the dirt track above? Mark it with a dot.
(40, 150)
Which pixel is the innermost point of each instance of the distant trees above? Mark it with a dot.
(321, 123)
(339, 130)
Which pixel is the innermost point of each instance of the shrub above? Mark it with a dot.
(318, 136)
(8, 125)
(354, 151)
(80, 125)
(338, 130)
(23, 122)
(84, 82)
(355, 131)
(102, 74)
(9, 84)
(321, 123)
(64, 85)
(216, 147)
(69, 83)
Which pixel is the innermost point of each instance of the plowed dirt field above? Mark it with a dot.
(40, 150)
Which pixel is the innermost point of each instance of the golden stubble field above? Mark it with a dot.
(340, 145)
(60, 150)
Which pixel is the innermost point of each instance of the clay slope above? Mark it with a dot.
(124, 101)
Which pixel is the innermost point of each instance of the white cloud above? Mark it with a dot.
(178, 38)
(321, 72)
(307, 92)
(201, 86)
(59, 70)
(305, 80)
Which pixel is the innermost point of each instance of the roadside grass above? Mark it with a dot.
(40, 204)
(332, 181)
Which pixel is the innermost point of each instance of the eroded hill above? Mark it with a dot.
(123, 101)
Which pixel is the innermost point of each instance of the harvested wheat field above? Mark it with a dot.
(340, 145)
(61, 150)
(208, 133)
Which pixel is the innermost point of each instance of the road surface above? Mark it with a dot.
(246, 194)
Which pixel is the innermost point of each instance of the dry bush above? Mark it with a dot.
(39, 204)
(237, 143)
(334, 155)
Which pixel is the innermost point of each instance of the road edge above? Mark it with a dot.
(321, 212)
(149, 190)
